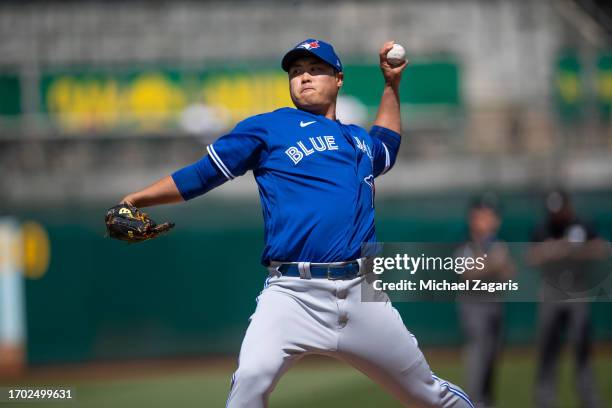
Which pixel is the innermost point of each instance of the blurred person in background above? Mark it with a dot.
(481, 312)
(564, 251)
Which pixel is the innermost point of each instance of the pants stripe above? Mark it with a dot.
(455, 391)
(266, 284)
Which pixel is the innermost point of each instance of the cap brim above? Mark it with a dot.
(292, 55)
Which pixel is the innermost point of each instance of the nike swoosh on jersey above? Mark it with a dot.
(304, 124)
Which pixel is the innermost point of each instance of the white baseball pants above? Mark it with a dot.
(295, 317)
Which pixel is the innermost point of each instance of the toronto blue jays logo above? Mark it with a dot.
(309, 45)
(369, 180)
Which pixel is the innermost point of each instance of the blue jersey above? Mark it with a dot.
(315, 179)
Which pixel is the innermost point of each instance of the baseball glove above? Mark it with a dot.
(127, 223)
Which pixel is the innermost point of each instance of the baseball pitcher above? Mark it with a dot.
(316, 183)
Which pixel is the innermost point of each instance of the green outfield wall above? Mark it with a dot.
(10, 95)
(192, 291)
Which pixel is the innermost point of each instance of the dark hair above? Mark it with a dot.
(488, 201)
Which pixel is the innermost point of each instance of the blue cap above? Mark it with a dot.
(311, 47)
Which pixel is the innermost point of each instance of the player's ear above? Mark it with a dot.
(339, 79)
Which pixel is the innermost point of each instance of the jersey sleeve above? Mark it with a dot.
(228, 157)
(197, 178)
(385, 145)
(240, 150)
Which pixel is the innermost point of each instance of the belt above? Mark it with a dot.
(307, 270)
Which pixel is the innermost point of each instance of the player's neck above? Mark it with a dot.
(328, 111)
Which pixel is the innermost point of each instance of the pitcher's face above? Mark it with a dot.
(313, 84)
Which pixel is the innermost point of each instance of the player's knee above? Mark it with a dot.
(250, 378)
(258, 379)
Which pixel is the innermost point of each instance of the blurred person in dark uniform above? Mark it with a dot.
(482, 312)
(565, 250)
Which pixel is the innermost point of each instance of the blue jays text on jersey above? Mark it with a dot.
(315, 179)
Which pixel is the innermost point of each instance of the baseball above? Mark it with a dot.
(396, 55)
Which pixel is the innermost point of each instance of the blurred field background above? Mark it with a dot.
(312, 382)
(98, 99)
